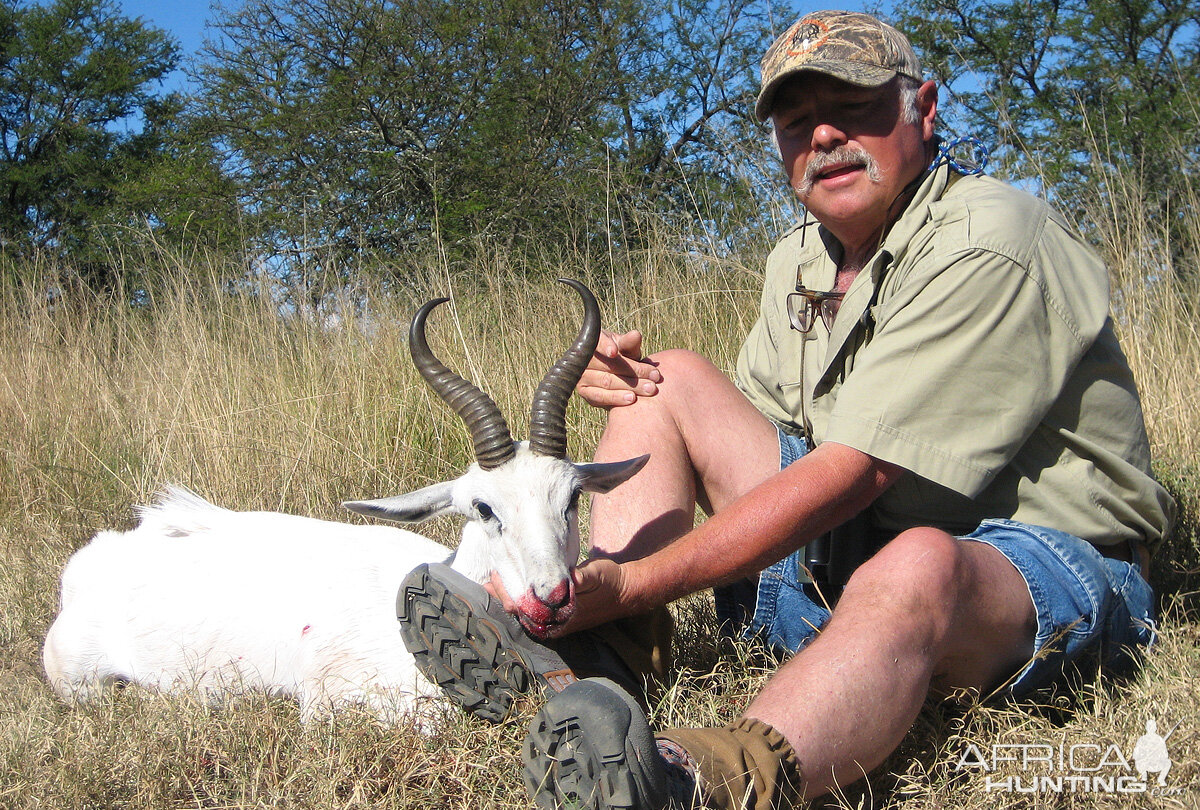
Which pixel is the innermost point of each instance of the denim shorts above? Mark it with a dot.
(1093, 612)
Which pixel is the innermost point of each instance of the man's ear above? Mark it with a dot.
(927, 102)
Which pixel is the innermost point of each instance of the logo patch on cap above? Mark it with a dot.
(809, 35)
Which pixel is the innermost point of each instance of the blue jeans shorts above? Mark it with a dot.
(1092, 611)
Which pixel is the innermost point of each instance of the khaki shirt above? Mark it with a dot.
(975, 350)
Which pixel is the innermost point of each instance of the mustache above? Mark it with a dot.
(844, 154)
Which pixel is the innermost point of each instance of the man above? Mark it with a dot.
(934, 366)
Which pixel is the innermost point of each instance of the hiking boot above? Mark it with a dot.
(590, 748)
(465, 642)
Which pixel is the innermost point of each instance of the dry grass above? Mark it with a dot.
(214, 389)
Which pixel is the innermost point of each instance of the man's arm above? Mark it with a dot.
(826, 487)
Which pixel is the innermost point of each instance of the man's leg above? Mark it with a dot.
(928, 612)
(707, 445)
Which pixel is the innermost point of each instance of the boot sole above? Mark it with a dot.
(590, 748)
(463, 641)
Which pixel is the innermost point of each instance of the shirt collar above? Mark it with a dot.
(855, 307)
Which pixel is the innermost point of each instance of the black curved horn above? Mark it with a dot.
(489, 432)
(548, 419)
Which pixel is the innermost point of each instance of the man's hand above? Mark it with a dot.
(617, 373)
(600, 596)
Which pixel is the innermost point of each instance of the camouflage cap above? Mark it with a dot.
(853, 47)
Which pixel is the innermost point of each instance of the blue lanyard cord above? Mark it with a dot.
(974, 163)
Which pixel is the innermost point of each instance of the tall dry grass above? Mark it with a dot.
(1155, 268)
(257, 402)
(245, 396)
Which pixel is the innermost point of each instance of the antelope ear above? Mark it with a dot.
(412, 507)
(603, 478)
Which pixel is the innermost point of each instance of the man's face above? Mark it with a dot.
(848, 151)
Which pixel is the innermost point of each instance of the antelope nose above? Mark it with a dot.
(559, 597)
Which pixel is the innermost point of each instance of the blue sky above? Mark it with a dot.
(184, 20)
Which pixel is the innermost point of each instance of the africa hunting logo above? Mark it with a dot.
(1078, 768)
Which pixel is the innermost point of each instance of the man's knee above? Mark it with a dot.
(683, 370)
(921, 559)
(918, 576)
(960, 601)
(683, 374)
(693, 397)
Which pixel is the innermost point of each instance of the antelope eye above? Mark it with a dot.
(574, 500)
(484, 510)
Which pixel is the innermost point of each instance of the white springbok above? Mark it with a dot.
(204, 599)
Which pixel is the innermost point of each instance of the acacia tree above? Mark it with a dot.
(1067, 91)
(368, 125)
(178, 185)
(698, 153)
(73, 74)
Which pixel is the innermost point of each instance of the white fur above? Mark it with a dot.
(199, 598)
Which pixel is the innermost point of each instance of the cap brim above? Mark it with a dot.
(854, 73)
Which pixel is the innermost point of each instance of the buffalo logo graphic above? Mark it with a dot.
(807, 37)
